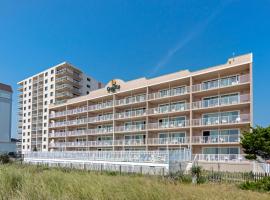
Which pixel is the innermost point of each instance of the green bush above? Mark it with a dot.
(262, 185)
(4, 159)
(180, 177)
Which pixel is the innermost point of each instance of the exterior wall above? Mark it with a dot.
(54, 85)
(80, 123)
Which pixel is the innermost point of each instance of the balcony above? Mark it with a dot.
(64, 95)
(216, 139)
(131, 100)
(221, 83)
(100, 106)
(219, 102)
(130, 114)
(169, 125)
(101, 118)
(169, 93)
(130, 128)
(219, 157)
(96, 131)
(169, 109)
(169, 141)
(222, 120)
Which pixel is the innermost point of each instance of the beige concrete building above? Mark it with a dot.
(54, 85)
(205, 111)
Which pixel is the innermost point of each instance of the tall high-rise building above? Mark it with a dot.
(6, 145)
(54, 85)
(205, 111)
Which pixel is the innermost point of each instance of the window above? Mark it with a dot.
(29, 94)
(88, 86)
(51, 101)
(87, 92)
(51, 86)
(29, 87)
(44, 146)
(88, 79)
(45, 102)
(46, 88)
(46, 80)
(46, 95)
(52, 78)
(46, 74)
(210, 84)
(52, 71)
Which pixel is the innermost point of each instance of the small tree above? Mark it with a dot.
(256, 142)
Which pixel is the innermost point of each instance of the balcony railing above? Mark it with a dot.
(130, 128)
(168, 141)
(220, 157)
(129, 114)
(222, 120)
(169, 93)
(169, 125)
(245, 98)
(100, 106)
(96, 131)
(132, 100)
(168, 109)
(216, 139)
(100, 118)
(114, 156)
(220, 84)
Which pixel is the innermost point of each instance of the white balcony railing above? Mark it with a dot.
(132, 100)
(169, 125)
(168, 141)
(169, 93)
(222, 120)
(100, 118)
(221, 102)
(130, 128)
(129, 114)
(114, 156)
(100, 106)
(216, 139)
(96, 131)
(220, 157)
(220, 84)
(168, 109)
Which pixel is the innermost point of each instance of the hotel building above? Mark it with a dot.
(205, 111)
(6, 145)
(54, 85)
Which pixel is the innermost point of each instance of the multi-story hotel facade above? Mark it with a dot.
(205, 111)
(54, 85)
(6, 145)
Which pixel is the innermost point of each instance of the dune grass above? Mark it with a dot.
(31, 182)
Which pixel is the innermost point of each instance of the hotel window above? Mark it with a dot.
(178, 121)
(134, 139)
(223, 118)
(207, 85)
(210, 101)
(232, 80)
(164, 108)
(164, 93)
(140, 125)
(178, 90)
(52, 71)
(221, 150)
(177, 106)
(229, 99)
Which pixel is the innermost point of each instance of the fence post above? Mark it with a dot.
(120, 169)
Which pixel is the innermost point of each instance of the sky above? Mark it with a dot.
(132, 39)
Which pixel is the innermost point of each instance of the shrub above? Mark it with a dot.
(179, 176)
(4, 159)
(260, 185)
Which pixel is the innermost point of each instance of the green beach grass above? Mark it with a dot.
(31, 182)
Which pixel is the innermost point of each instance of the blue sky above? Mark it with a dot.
(131, 39)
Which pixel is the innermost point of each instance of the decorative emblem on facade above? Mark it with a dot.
(113, 86)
